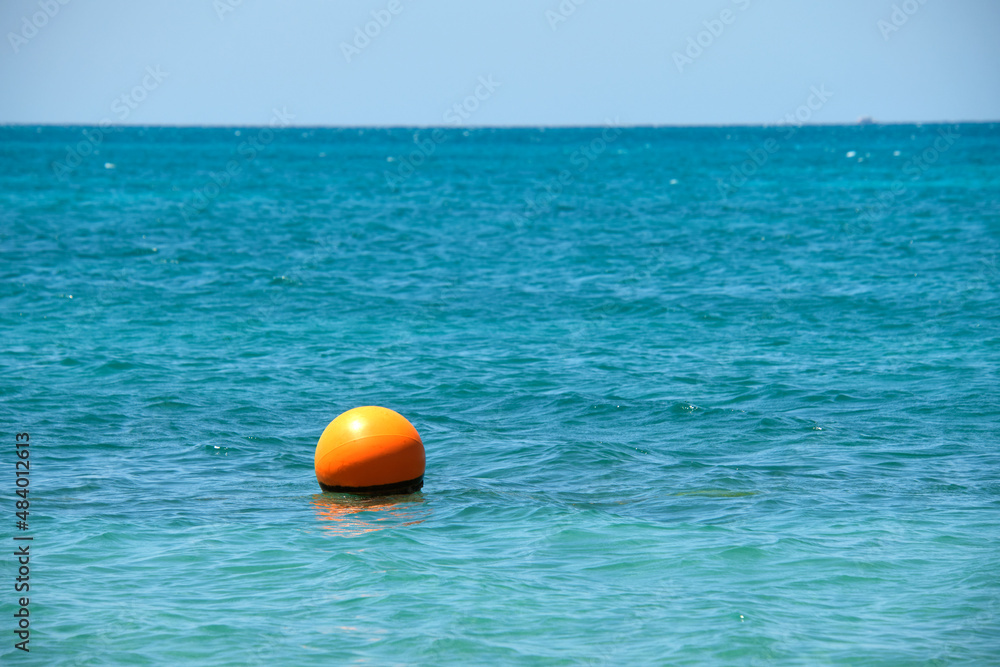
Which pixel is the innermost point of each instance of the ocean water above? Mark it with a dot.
(689, 396)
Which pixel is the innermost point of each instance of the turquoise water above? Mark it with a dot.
(674, 414)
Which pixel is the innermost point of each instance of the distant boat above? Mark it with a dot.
(866, 120)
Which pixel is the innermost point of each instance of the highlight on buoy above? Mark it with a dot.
(371, 451)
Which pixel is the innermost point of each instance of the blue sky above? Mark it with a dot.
(503, 62)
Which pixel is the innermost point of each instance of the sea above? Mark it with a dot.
(689, 396)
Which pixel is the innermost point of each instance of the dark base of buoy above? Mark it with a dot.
(396, 488)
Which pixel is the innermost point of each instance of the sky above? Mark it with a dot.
(497, 62)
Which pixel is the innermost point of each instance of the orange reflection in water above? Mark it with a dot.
(351, 516)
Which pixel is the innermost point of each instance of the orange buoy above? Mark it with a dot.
(370, 450)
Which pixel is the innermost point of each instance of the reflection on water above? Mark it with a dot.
(351, 516)
(717, 493)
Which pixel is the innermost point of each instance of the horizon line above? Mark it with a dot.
(857, 123)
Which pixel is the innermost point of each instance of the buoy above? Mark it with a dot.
(372, 451)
